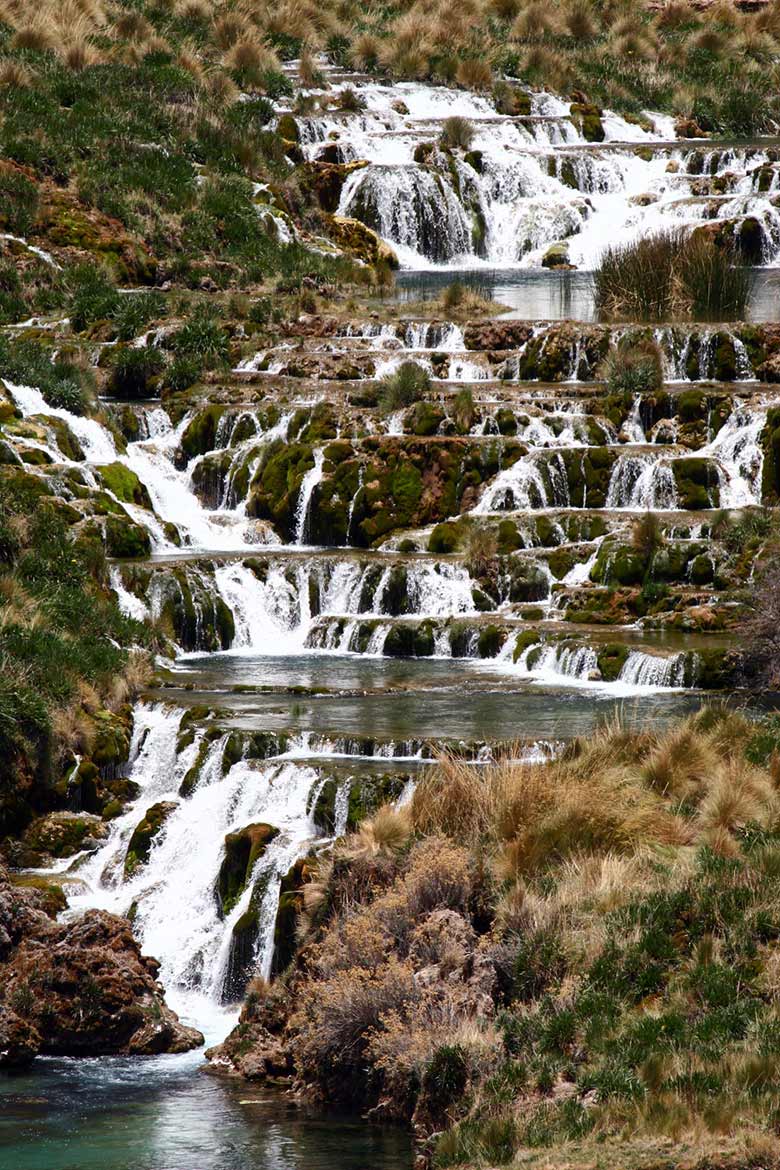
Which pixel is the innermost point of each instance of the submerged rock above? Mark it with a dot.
(79, 988)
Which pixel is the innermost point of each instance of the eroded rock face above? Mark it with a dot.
(79, 988)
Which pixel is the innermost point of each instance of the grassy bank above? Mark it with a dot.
(71, 661)
(566, 963)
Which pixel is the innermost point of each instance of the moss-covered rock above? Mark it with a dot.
(243, 849)
(360, 241)
(444, 538)
(61, 834)
(122, 482)
(126, 539)
(697, 482)
(146, 830)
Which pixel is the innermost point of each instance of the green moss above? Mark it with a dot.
(444, 538)
(124, 484)
(697, 482)
(243, 849)
(124, 538)
(146, 830)
(611, 659)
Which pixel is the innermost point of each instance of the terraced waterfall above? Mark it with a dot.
(314, 560)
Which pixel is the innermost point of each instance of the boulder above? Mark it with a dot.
(354, 237)
(80, 988)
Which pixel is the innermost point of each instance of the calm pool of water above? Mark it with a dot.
(535, 294)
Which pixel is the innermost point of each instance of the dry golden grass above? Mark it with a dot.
(613, 795)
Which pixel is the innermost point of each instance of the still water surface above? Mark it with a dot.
(533, 294)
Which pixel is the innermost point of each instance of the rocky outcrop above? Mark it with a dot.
(80, 988)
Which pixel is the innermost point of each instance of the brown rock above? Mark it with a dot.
(79, 988)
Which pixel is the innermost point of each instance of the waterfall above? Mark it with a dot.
(653, 672)
(310, 481)
(740, 457)
(177, 916)
(642, 483)
(525, 183)
(525, 486)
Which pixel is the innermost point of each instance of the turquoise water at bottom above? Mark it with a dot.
(170, 1113)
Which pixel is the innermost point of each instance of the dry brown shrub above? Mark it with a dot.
(738, 795)
(475, 73)
(35, 37)
(15, 74)
(681, 765)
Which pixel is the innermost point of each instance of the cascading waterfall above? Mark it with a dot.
(534, 481)
(526, 182)
(739, 456)
(642, 482)
(310, 481)
(177, 915)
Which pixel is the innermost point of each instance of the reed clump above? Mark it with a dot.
(671, 274)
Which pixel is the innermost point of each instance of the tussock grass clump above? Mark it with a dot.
(457, 132)
(633, 367)
(671, 274)
(409, 383)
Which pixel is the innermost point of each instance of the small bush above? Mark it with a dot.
(18, 202)
(94, 297)
(647, 535)
(134, 372)
(457, 132)
(134, 312)
(633, 368)
(351, 102)
(408, 384)
(482, 552)
(202, 338)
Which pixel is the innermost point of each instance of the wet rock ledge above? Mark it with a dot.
(79, 988)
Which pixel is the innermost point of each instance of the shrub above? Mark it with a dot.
(351, 102)
(712, 283)
(203, 339)
(135, 311)
(134, 372)
(408, 384)
(18, 202)
(671, 273)
(633, 368)
(457, 132)
(481, 552)
(182, 373)
(647, 535)
(94, 297)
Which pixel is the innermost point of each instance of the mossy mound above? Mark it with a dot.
(243, 848)
(123, 483)
(140, 843)
(360, 241)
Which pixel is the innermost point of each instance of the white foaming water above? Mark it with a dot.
(739, 455)
(96, 442)
(130, 605)
(177, 917)
(529, 181)
(267, 614)
(311, 480)
(152, 460)
(642, 482)
(535, 481)
(559, 665)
